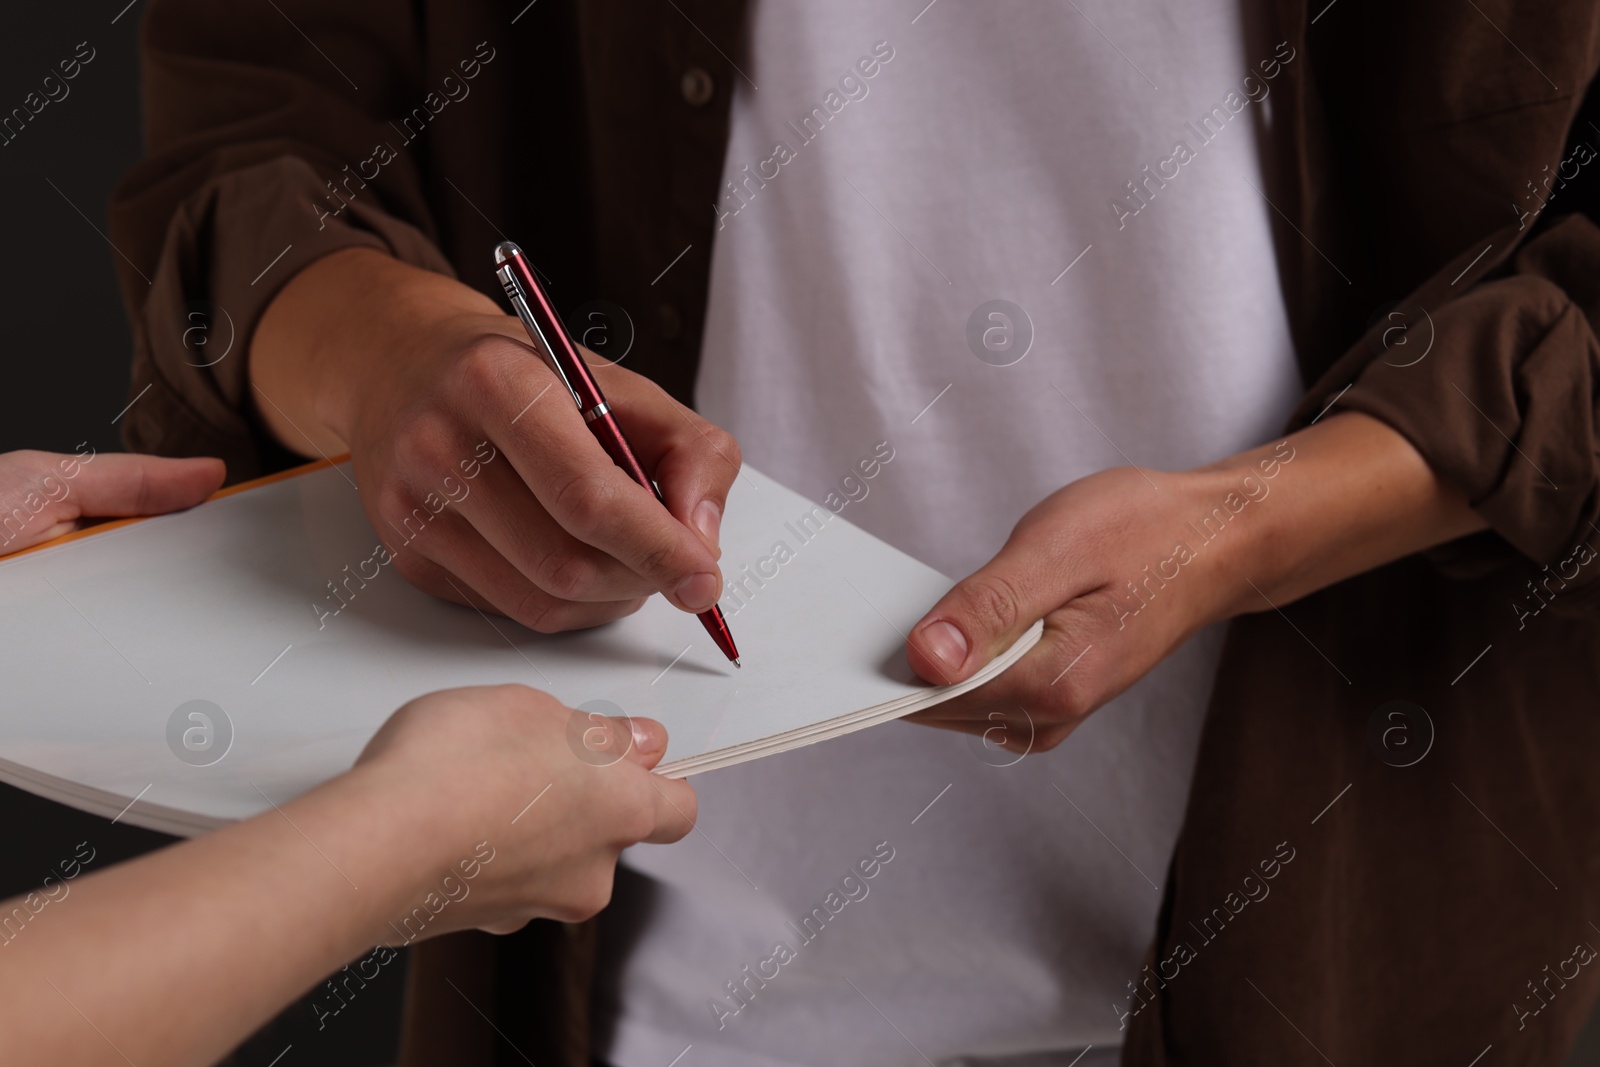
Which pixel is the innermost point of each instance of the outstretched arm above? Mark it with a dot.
(435, 829)
(467, 809)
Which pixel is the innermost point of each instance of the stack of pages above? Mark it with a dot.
(192, 669)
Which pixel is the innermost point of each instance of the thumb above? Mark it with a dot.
(43, 495)
(118, 484)
(649, 742)
(675, 806)
(983, 615)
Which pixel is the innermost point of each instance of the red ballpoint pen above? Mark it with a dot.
(550, 337)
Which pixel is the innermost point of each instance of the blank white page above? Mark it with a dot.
(104, 637)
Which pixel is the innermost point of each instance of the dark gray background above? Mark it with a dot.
(66, 340)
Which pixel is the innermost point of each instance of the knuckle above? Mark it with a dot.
(407, 518)
(566, 575)
(391, 501)
(483, 365)
(1068, 706)
(539, 612)
(143, 491)
(723, 444)
(421, 443)
(592, 895)
(993, 601)
(1049, 737)
(661, 560)
(584, 504)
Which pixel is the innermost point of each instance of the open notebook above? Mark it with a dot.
(112, 641)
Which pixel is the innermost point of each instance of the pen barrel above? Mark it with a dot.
(609, 434)
(717, 627)
(544, 326)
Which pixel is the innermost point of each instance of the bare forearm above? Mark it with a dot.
(1126, 565)
(1355, 495)
(342, 325)
(241, 921)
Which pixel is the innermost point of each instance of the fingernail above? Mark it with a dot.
(708, 520)
(948, 644)
(647, 737)
(697, 592)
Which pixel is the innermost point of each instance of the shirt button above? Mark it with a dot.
(697, 86)
(669, 322)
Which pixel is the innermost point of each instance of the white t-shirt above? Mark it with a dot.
(895, 173)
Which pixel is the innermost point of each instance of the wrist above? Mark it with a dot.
(340, 330)
(1240, 529)
(1207, 541)
(1326, 503)
(392, 318)
(397, 844)
(290, 371)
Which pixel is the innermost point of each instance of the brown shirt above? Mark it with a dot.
(1422, 900)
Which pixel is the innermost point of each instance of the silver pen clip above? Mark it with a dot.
(519, 304)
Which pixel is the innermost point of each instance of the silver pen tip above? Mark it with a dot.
(739, 665)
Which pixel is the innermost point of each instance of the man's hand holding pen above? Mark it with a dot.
(407, 370)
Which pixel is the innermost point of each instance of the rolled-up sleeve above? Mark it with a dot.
(1496, 382)
(259, 150)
